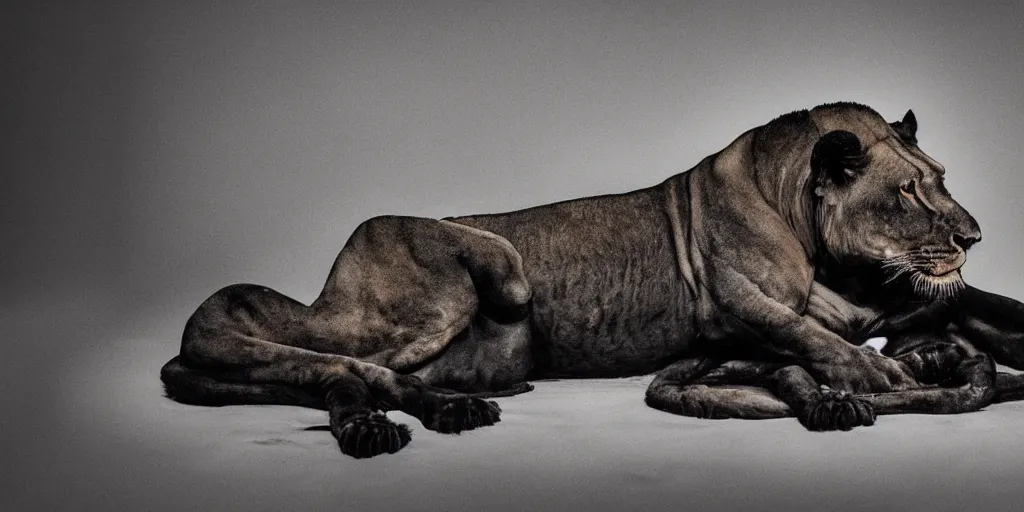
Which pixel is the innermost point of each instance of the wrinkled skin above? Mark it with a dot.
(800, 240)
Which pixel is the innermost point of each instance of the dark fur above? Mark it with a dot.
(954, 379)
(804, 237)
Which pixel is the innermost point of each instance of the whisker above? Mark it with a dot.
(899, 272)
(915, 266)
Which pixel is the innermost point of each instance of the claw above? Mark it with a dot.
(453, 414)
(370, 435)
(837, 410)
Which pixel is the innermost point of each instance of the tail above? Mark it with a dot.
(192, 386)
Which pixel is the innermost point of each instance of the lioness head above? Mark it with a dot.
(883, 202)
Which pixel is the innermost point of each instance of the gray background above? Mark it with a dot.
(154, 153)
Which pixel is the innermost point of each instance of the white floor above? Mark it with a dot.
(95, 433)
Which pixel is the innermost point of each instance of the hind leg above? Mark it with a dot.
(254, 360)
(226, 357)
(403, 288)
(360, 429)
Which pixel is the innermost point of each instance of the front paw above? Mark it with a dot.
(934, 363)
(837, 410)
(451, 414)
(368, 435)
(863, 371)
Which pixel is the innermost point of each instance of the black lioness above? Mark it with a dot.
(799, 240)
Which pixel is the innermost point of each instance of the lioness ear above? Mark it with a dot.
(907, 128)
(837, 158)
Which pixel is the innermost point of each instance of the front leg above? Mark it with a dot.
(818, 407)
(803, 339)
(993, 324)
(757, 281)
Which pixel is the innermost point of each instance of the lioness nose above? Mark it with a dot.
(965, 229)
(968, 238)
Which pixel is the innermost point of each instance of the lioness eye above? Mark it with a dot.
(909, 190)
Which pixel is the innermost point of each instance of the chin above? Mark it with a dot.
(942, 286)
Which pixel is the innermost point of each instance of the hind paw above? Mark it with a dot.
(371, 435)
(837, 410)
(451, 414)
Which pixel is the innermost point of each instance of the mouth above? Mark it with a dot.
(930, 275)
(947, 267)
(938, 286)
